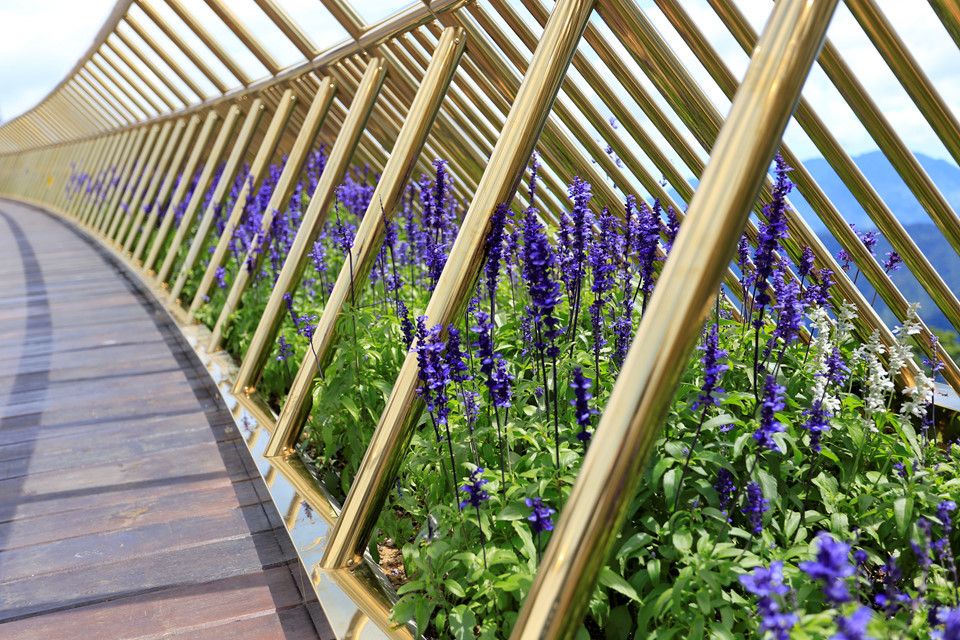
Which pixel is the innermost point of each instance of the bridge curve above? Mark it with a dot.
(129, 506)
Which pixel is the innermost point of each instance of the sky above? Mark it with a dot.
(40, 40)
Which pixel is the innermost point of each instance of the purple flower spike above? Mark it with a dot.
(832, 567)
(754, 508)
(476, 494)
(767, 585)
(540, 516)
(713, 368)
(854, 626)
(769, 425)
(581, 389)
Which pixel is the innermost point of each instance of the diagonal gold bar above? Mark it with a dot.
(209, 40)
(252, 182)
(149, 200)
(278, 201)
(181, 191)
(106, 169)
(366, 244)
(948, 11)
(129, 91)
(313, 221)
(133, 77)
(289, 27)
(505, 167)
(144, 171)
(117, 162)
(858, 185)
(244, 35)
(145, 60)
(164, 55)
(102, 221)
(611, 472)
(146, 230)
(179, 42)
(914, 81)
(196, 198)
(144, 78)
(233, 165)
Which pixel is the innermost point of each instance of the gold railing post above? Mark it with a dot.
(313, 220)
(186, 177)
(196, 198)
(234, 161)
(136, 186)
(721, 205)
(102, 221)
(260, 162)
(497, 185)
(278, 201)
(172, 170)
(383, 202)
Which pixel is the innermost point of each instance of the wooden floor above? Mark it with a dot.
(128, 506)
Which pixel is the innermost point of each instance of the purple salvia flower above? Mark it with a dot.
(581, 403)
(869, 240)
(767, 585)
(501, 392)
(770, 234)
(806, 263)
(284, 350)
(817, 422)
(854, 626)
(755, 505)
(725, 488)
(893, 262)
(832, 567)
(544, 291)
(772, 402)
(670, 229)
(944, 509)
(713, 367)
(221, 275)
(540, 516)
(476, 494)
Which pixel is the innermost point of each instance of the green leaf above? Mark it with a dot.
(513, 512)
(615, 581)
(670, 480)
(683, 541)
(462, 622)
(454, 587)
(903, 513)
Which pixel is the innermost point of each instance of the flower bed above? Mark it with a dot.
(794, 491)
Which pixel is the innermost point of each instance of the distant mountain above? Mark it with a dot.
(888, 184)
(905, 207)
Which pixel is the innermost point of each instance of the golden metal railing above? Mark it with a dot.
(483, 85)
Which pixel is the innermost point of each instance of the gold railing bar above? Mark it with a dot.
(120, 96)
(139, 185)
(144, 78)
(186, 177)
(106, 169)
(704, 121)
(279, 199)
(124, 86)
(115, 164)
(196, 198)
(948, 11)
(102, 220)
(403, 156)
(108, 101)
(227, 178)
(243, 34)
(526, 119)
(347, 16)
(180, 43)
(855, 181)
(173, 171)
(893, 147)
(611, 472)
(77, 94)
(129, 78)
(250, 184)
(207, 39)
(908, 71)
(162, 53)
(132, 224)
(314, 218)
(283, 21)
(145, 60)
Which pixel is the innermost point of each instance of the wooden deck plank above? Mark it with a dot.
(129, 507)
